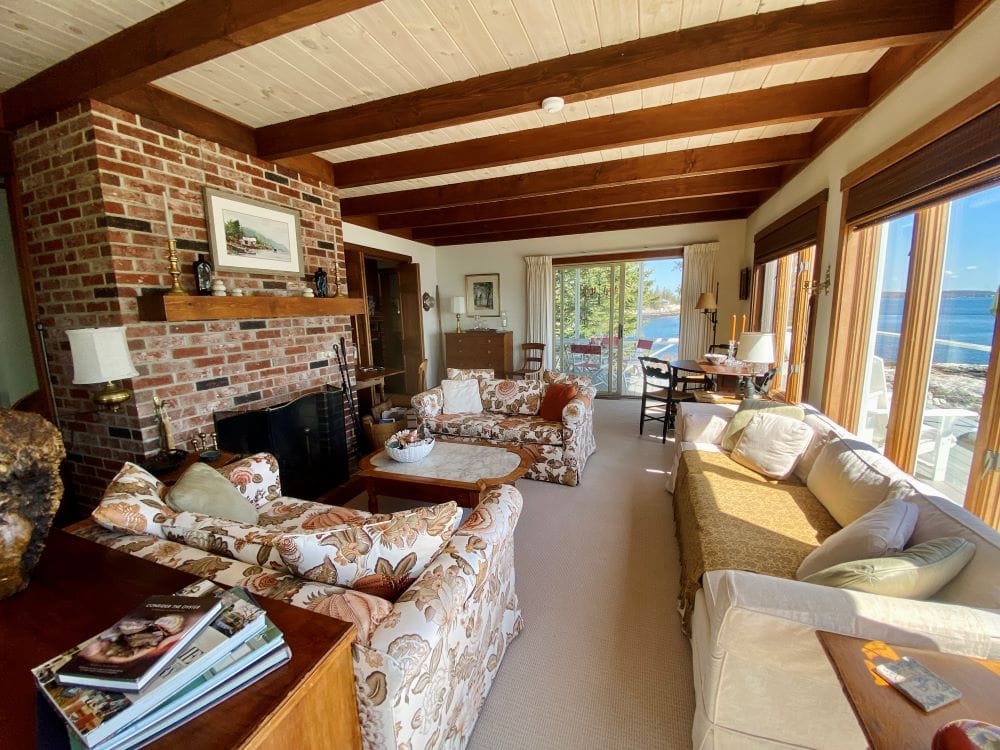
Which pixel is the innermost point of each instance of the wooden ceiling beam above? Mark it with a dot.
(779, 104)
(835, 27)
(605, 226)
(618, 195)
(177, 38)
(765, 152)
(747, 201)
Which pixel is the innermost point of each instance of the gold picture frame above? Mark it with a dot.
(482, 295)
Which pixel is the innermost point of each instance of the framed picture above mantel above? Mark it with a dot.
(250, 235)
(482, 294)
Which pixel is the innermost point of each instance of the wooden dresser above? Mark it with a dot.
(480, 349)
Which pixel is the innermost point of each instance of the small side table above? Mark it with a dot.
(889, 720)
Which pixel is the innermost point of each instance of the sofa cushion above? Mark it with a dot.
(917, 573)
(291, 515)
(702, 428)
(133, 503)
(978, 585)
(455, 373)
(461, 396)
(524, 430)
(554, 376)
(256, 477)
(557, 395)
(823, 430)
(771, 444)
(464, 425)
(748, 408)
(201, 489)
(849, 479)
(882, 531)
(240, 541)
(380, 555)
(512, 396)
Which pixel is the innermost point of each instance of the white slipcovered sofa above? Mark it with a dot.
(762, 678)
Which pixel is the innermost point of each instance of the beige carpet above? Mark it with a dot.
(601, 662)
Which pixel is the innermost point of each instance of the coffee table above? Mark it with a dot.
(454, 470)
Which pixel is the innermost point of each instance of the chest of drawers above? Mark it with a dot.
(472, 349)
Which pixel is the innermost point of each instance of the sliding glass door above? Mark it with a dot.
(609, 314)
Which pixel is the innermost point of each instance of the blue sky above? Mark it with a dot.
(973, 255)
(666, 273)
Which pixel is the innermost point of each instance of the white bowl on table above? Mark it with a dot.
(408, 453)
(715, 358)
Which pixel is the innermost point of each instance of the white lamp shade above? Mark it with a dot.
(100, 355)
(458, 305)
(706, 302)
(757, 347)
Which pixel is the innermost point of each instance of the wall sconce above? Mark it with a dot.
(816, 286)
(100, 355)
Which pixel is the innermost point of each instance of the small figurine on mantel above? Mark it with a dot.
(322, 288)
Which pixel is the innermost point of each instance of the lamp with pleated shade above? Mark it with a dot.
(458, 307)
(100, 355)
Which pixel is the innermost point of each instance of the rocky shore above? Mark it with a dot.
(953, 386)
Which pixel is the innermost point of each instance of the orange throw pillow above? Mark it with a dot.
(557, 395)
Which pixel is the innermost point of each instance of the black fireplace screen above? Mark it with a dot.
(306, 435)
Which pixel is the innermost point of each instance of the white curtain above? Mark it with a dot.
(538, 293)
(698, 277)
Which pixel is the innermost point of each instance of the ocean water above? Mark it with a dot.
(663, 327)
(962, 319)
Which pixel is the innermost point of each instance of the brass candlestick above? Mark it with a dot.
(175, 269)
(336, 279)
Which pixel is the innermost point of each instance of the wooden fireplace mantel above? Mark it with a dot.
(155, 308)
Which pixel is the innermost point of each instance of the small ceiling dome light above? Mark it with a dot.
(553, 104)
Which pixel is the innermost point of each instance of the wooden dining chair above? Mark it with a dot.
(533, 358)
(659, 395)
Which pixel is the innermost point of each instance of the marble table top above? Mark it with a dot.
(455, 462)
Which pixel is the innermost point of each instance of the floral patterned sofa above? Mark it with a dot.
(423, 664)
(559, 450)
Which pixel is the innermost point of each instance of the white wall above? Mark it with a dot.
(424, 255)
(17, 366)
(967, 63)
(507, 259)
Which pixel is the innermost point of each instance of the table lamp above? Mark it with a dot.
(458, 307)
(709, 306)
(755, 349)
(100, 355)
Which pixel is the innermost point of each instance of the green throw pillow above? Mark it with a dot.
(745, 413)
(917, 573)
(201, 489)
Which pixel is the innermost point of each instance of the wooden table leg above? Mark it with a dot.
(372, 497)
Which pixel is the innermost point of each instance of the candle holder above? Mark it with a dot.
(335, 292)
(731, 353)
(175, 269)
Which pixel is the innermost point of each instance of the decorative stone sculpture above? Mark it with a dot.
(31, 450)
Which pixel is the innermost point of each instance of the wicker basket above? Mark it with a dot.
(410, 453)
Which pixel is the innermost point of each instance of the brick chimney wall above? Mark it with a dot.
(92, 180)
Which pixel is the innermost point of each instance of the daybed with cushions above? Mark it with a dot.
(762, 679)
(434, 615)
(508, 412)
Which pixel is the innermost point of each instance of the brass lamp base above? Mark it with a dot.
(458, 322)
(112, 396)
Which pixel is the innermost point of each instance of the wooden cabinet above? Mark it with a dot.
(479, 349)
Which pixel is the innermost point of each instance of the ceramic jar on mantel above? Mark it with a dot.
(31, 450)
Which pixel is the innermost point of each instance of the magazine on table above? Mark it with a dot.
(249, 662)
(95, 714)
(135, 649)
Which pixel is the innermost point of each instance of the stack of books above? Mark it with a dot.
(161, 665)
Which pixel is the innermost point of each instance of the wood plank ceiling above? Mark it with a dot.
(426, 112)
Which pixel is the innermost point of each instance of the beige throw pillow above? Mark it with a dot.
(201, 489)
(879, 532)
(771, 444)
(462, 396)
(379, 555)
(918, 573)
(750, 407)
(847, 482)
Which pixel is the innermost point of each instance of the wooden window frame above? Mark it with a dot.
(956, 153)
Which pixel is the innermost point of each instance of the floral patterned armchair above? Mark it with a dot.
(423, 664)
(559, 450)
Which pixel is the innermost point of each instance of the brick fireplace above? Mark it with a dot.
(92, 180)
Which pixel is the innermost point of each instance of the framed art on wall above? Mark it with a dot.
(482, 294)
(250, 235)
